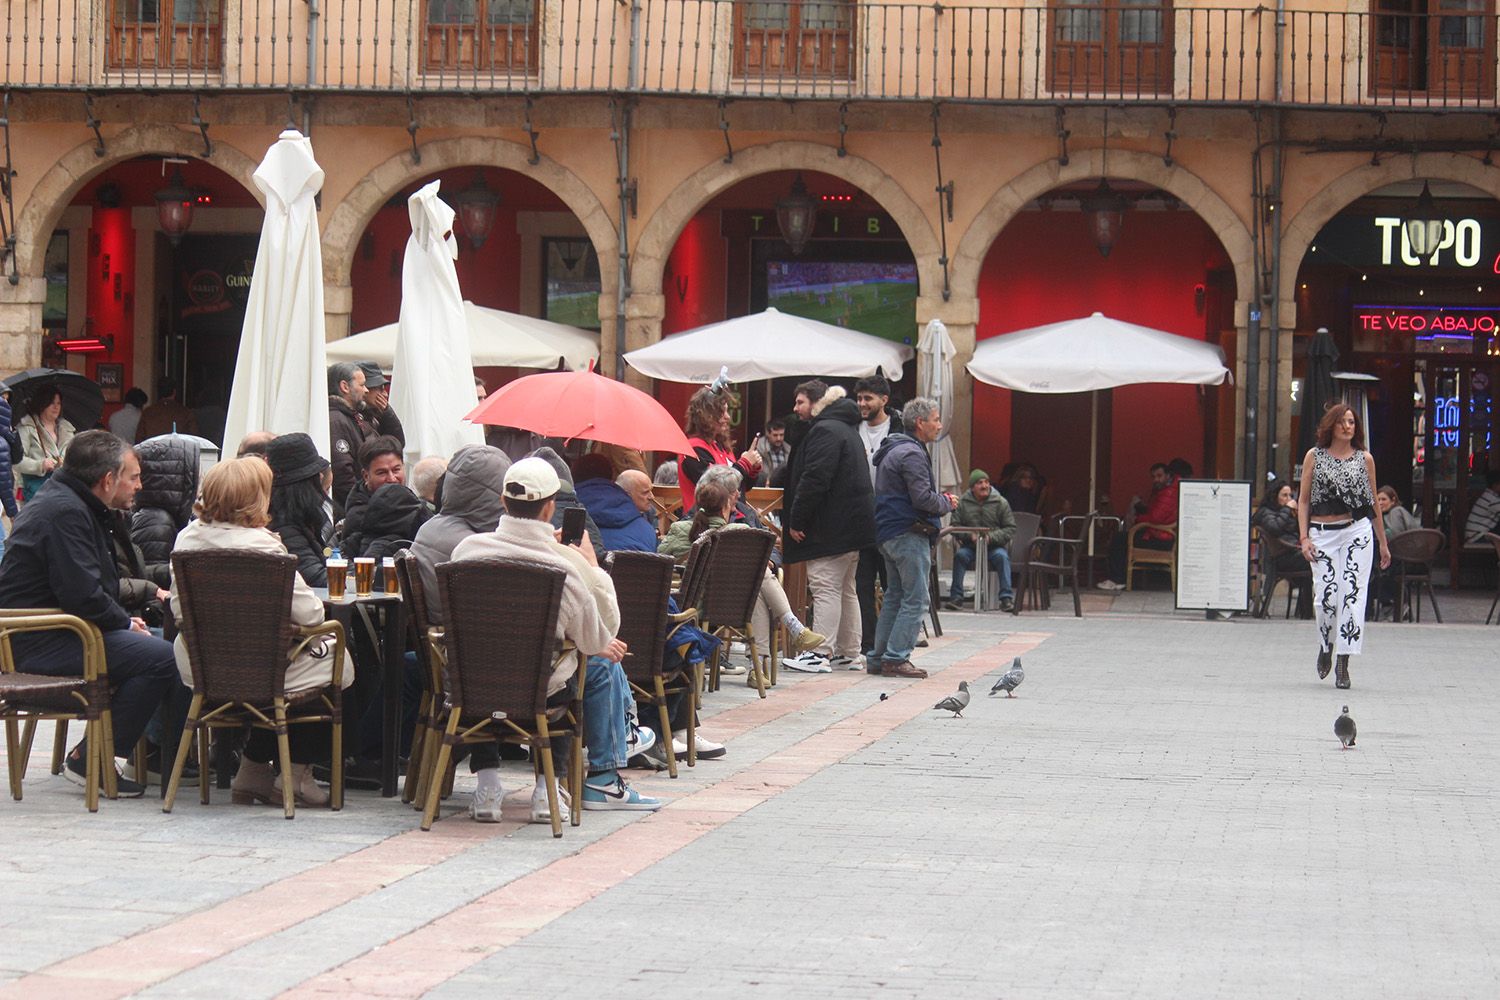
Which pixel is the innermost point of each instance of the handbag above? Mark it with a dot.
(30, 484)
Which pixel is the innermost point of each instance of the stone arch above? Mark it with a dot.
(660, 233)
(1360, 181)
(358, 207)
(51, 195)
(1125, 164)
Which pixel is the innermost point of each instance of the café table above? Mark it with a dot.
(389, 639)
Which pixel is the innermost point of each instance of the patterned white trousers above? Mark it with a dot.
(1340, 573)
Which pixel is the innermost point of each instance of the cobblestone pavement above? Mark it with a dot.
(1163, 811)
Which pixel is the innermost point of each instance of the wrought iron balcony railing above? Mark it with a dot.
(1062, 51)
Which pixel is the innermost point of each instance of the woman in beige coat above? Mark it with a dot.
(232, 514)
(45, 435)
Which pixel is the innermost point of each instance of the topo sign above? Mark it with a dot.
(1460, 241)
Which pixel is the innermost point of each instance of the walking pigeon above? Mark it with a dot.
(1012, 679)
(956, 702)
(1344, 729)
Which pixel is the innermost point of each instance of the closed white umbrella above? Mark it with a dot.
(937, 383)
(1093, 353)
(280, 379)
(496, 338)
(769, 344)
(433, 372)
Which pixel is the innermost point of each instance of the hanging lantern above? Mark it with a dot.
(476, 209)
(174, 208)
(795, 215)
(1106, 211)
(1423, 224)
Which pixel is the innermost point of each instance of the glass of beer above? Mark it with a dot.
(364, 576)
(338, 576)
(392, 582)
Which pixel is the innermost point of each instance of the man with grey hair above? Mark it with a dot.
(60, 555)
(347, 430)
(908, 515)
(425, 476)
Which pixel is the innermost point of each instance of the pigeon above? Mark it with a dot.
(956, 702)
(1011, 680)
(1344, 729)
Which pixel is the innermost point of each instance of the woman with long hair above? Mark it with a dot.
(1338, 525)
(1277, 516)
(299, 503)
(707, 428)
(45, 434)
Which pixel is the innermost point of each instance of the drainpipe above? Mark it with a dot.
(1273, 352)
(622, 157)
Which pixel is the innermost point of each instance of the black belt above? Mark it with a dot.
(1330, 526)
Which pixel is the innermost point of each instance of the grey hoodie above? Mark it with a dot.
(472, 505)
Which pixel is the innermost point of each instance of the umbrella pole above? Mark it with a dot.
(1093, 457)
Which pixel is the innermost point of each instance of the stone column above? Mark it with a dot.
(644, 312)
(338, 303)
(21, 322)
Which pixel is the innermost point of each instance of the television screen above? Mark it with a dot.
(873, 297)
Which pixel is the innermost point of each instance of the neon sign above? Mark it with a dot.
(1437, 320)
(1445, 421)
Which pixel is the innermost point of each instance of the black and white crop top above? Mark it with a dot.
(1341, 485)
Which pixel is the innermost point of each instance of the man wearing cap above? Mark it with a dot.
(376, 409)
(982, 506)
(589, 618)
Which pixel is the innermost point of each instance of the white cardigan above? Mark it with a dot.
(309, 670)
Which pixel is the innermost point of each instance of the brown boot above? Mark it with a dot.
(902, 668)
(254, 782)
(305, 789)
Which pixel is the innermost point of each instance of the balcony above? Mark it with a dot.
(1424, 54)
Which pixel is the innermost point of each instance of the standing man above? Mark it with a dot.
(830, 517)
(347, 430)
(167, 415)
(983, 507)
(61, 556)
(128, 417)
(909, 512)
(872, 395)
(774, 451)
(377, 410)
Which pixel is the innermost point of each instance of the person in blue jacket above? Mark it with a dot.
(10, 447)
(623, 525)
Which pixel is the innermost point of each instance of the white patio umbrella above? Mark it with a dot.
(433, 372)
(937, 352)
(496, 338)
(280, 379)
(1093, 353)
(768, 344)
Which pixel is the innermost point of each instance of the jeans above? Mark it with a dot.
(998, 557)
(871, 567)
(908, 561)
(606, 701)
(142, 671)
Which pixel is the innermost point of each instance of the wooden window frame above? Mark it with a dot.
(760, 53)
(195, 46)
(1107, 64)
(1409, 59)
(481, 47)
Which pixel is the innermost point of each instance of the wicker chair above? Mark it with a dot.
(692, 581)
(240, 640)
(1271, 549)
(727, 608)
(1055, 558)
(1414, 551)
(33, 698)
(429, 725)
(1144, 558)
(643, 582)
(497, 667)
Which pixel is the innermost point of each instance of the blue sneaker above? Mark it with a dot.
(614, 793)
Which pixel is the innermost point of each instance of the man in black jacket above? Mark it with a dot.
(830, 516)
(376, 409)
(347, 430)
(60, 556)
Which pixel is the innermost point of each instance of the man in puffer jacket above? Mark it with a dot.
(169, 488)
(472, 505)
(623, 526)
(389, 522)
(10, 447)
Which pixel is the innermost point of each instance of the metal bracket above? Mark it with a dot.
(532, 134)
(8, 206)
(291, 112)
(630, 194)
(945, 196)
(843, 128)
(946, 191)
(1379, 138)
(724, 127)
(1171, 134)
(90, 121)
(1062, 135)
(1489, 154)
(198, 120)
(411, 129)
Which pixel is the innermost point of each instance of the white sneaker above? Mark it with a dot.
(541, 812)
(706, 748)
(807, 663)
(1110, 585)
(846, 663)
(484, 807)
(640, 740)
(731, 669)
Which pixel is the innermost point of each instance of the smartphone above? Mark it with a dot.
(573, 525)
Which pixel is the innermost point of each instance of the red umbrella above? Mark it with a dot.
(583, 405)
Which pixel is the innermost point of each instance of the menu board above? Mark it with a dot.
(1213, 545)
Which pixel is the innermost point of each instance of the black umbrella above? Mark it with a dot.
(1318, 390)
(82, 399)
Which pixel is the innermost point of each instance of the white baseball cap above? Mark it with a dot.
(532, 479)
